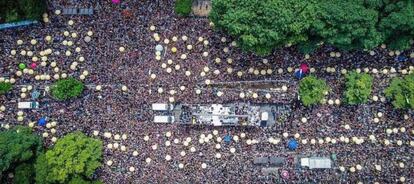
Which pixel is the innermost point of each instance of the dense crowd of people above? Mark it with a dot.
(329, 130)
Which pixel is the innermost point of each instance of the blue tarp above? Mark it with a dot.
(293, 144)
(41, 122)
(17, 24)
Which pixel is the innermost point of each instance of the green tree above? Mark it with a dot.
(22, 9)
(5, 87)
(18, 145)
(401, 92)
(397, 23)
(312, 90)
(358, 87)
(183, 7)
(74, 155)
(24, 174)
(261, 26)
(79, 180)
(42, 170)
(346, 25)
(66, 89)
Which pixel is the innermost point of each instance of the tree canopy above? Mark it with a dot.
(358, 87)
(261, 26)
(183, 7)
(18, 145)
(346, 25)
(5, 87)
(66, 89)
(312, 90)
(22, 9)
(74, 155)
(401, 92)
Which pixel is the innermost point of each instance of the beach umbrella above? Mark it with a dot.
(227, 138)
(22, 66)
(159, 48)
(284, 174)
(109, 162)
(33, 65)
(293, 144)
(41, 121)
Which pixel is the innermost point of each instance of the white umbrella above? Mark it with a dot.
(203, 165)
(109, 162)
(123, 148)
(304, 120)
(135, 153)
(218, 155)
(109, 146)
(131, 169)
(378, 167)
(182, 153)
(116, 145)
(229, 60)
(242, 135)
(218, 146)
(242, 95)
(87, 39)
(171, 99)
(166, 41)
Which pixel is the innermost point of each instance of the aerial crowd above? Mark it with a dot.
(125, 73)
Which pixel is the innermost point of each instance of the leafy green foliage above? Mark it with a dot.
(358, 87)
(18, 145)
(346, 24)
(401, 92)
(397, 23)
(42, 169)
(22, 9)
(65, 89)
(260, 26)
(24, 174)
(5, 87)
(79, 180)
(183, 7)
(75, 155)
(312, 90)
